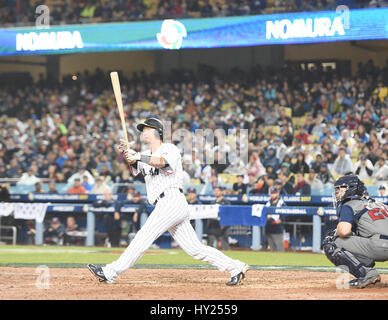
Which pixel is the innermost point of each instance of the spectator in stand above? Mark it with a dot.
(380, 171)
(77, 188)
(38, 188)
(192, 196)
(255, 167)
(352, 121)
(260, 186)
(325, 175)
(281, 149)
(52, 187)
(271, 159)
(85, 183)
(251, 183)
(363, 136)
(80, 175)
(3, 172)
(286, 186)
(370, 155)
(4, 193)
(316, 164)
(382, 191)
(301, 186)
(297, 148)
(28, 178)
(381, 91)
(332, 105)
(303, 136)
(300, 165)
(364, 168)
(343, 164)
(286, 135)
(315, 183)
(240, 187)
(100, 187)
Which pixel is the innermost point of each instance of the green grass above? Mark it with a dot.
(79, 256)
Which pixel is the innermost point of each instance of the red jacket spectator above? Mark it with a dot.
(303, 135)
(352, 122)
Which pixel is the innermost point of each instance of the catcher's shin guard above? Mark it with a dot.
(344, 259)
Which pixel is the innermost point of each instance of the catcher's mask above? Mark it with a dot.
(354, 188)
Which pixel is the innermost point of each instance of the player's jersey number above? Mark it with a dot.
(378, 214)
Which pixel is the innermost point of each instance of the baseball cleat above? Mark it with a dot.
(236, 280)
(98, 273)
(371, 278)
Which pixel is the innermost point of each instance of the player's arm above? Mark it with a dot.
(344, 227)
(154, 161)
(169, 158)
(133, 157)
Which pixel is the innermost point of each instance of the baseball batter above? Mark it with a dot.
(161, 166)
(361, 236)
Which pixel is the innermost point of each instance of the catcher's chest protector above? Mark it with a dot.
(370, 217)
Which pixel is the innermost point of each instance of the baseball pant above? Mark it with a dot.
(171, 213)
(275, 241)
(372, 248)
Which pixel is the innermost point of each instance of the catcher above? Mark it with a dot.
(361, 236)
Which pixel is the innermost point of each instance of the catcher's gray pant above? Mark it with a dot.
(366, 250)
(171, 213)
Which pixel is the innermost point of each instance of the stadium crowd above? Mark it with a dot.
(23, 13)
(305, 127)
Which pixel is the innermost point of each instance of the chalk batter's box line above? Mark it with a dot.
(188, 266)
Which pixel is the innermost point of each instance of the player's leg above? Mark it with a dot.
(278, 240)
(184, 234)
(167, 213)
(352, 255)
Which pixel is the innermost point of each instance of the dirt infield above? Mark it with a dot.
(178, 284)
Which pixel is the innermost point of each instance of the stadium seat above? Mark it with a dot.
(298, 121)
(228, 178)
(195, 181)
(273, 129)
(288, 112)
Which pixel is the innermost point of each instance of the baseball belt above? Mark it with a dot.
(162, 196)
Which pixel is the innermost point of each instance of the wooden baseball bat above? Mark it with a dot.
(119, 100)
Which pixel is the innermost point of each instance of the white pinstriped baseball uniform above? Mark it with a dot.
(171, 213)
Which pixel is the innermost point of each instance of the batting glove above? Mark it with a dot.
(131, 156)
(122, 146)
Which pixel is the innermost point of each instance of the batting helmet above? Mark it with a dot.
(354, 187)
(152, 122)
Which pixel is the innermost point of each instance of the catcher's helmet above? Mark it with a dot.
(354, 188)
(152, 122)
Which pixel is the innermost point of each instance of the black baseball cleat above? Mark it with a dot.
(236, 280)
(372, 277)
(98, 273)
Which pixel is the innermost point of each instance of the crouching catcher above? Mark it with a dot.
(361, 236)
